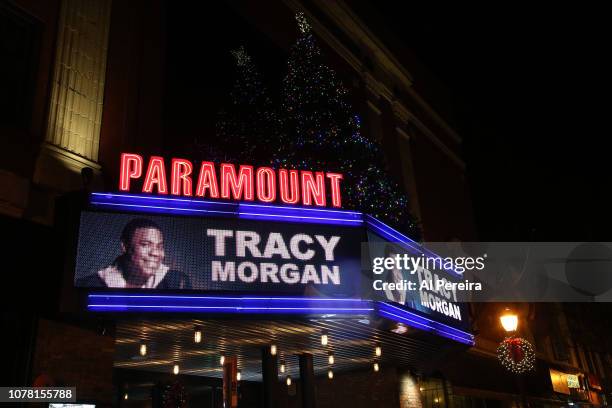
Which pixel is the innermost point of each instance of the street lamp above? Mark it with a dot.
(509, 321)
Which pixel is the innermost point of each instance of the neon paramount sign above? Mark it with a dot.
(224, 181)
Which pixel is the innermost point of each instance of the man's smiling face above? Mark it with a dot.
(146, 251)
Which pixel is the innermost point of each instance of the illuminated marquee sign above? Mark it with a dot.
(195, 255)
(210, 254)
(263, 184)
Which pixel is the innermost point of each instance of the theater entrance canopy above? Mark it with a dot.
(352, 341)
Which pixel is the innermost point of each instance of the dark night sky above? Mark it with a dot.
(524, 82)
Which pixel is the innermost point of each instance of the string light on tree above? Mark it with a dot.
(242, 58)
(249, 127)
(302, 23)
(326, 134)
(314, 127)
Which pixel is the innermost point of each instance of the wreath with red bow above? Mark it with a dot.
(516, 354)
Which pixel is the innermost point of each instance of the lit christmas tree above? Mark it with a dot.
(248, 127)
(326, 136)
(314, 129)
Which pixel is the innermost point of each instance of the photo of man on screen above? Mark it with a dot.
(141, 263)
(394, 276)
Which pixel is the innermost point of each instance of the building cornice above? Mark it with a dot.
(344, 17)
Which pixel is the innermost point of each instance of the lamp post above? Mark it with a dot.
(509, 321)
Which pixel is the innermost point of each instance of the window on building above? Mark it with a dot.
(559, 343)
(19, 44)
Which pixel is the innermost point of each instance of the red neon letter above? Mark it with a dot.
(334, 182)
(288, 186)
(131, 167)
(181, 172)
(243, 184)
(266, 178)
(312, 188)
(207, 180)
(156, 174)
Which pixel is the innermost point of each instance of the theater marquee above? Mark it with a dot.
(203, 243)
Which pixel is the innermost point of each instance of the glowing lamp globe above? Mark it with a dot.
(509, 321)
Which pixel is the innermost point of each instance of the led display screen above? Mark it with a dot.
(446, 306)
(118, 250)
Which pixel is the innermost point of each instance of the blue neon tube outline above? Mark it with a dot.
(297, 217)
(427, 328)
(391, 316)
(162, 208)
(301, 217)
(426, 318)
(228, 298)
(240, 204)
(235, 308)
(434, 324)
(370, 219)
(454, 332)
